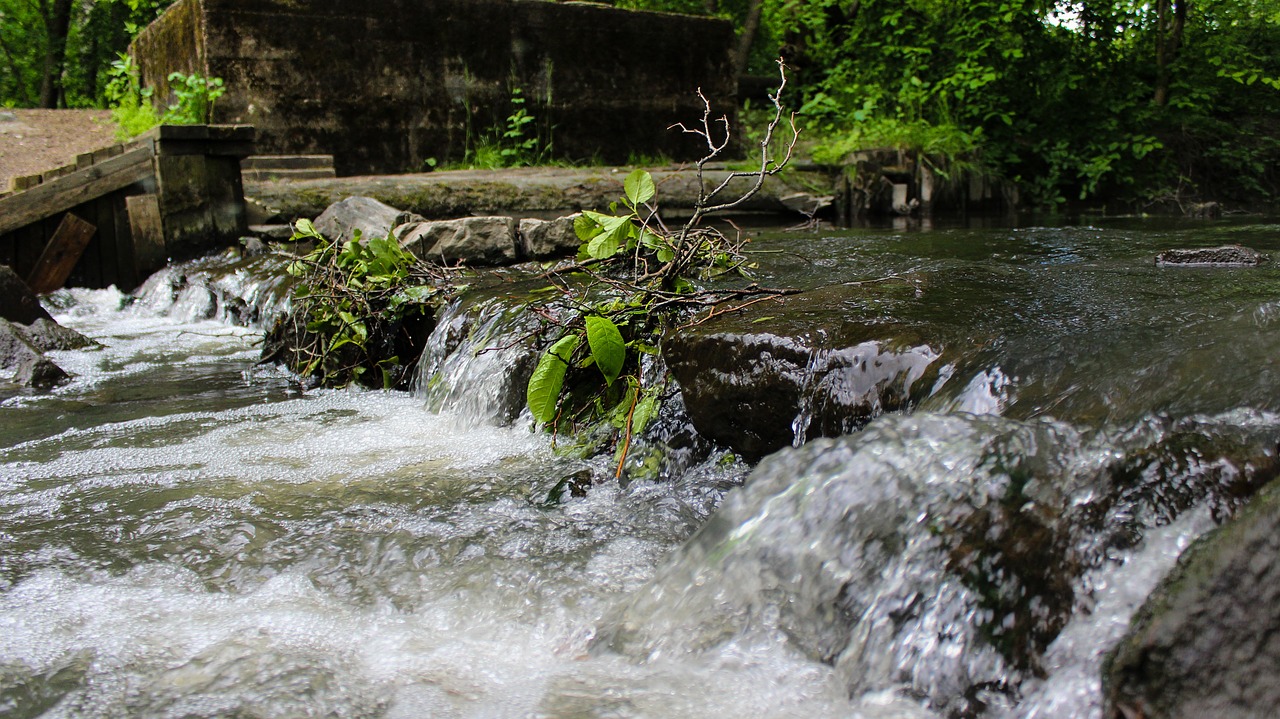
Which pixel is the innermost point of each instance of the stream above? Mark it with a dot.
(184, 533)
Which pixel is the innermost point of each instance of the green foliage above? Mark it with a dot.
(1072, 100)
(516, 144)
(607, 348)
(132, 108)
(543, 393)
(98, 32)
(354, 300)
(635, 278)
(195, 95)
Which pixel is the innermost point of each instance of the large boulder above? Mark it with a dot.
(1207, 642)
(471, 240)
(371, 217)
(17, 302)
(548, 239)
(790, 370)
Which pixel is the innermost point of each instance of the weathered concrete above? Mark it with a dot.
(383, 85)
(546, 191)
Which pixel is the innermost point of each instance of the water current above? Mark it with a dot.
(184, 533)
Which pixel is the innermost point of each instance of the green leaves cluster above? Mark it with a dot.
(516, 143)
(604, 236)
(132, 108)
(354, 299)
(1071, 100)
(628, 287)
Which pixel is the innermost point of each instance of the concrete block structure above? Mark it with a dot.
(386, 85)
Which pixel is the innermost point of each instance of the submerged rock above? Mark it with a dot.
(1207, 643)
(372, 218)
(1224, 256)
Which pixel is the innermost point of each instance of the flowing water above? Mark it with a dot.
(185, 534)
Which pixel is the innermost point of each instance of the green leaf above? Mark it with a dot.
(615, 231)
(607, 346)
(646, 409)
(543, 392)
(303, 229)
(639, 187)
(585, 227)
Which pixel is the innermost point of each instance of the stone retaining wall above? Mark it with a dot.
(383, 85)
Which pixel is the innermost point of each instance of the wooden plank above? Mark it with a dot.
(57, 172)
(99, 258)
(147, 229)
(60, 255)
(84, 160)
(126, 275)
(9, 250)
(107, 153)
(24, 183)
(58, 195)
(31, 241)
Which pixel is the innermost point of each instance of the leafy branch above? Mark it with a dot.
(353, 309)
(634, 280)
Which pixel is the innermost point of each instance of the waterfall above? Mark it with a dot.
(939, 556)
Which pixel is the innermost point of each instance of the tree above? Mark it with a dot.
(57, 23)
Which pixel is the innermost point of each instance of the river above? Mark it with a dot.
(186, 534)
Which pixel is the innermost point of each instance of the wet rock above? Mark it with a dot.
(17, 302)
(372, 218)
(547, 239)
(937, 553)
(1225, 256)
(40, 373)
(46, 335)
(471, 240)
(28, 365)
(760, 381)
(1207, 642)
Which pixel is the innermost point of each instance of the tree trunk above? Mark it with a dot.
(749, 28)
(1168, 41)
(57, 22)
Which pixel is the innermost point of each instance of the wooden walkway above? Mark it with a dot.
(172, 193)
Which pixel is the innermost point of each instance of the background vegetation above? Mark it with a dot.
(1144, 101)
(1159, 100)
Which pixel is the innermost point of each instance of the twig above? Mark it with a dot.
(626, 437)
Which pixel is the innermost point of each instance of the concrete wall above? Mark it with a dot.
(385, 84)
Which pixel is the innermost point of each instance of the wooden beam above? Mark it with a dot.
(147, 228)
(60, 254)
(62, 193)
